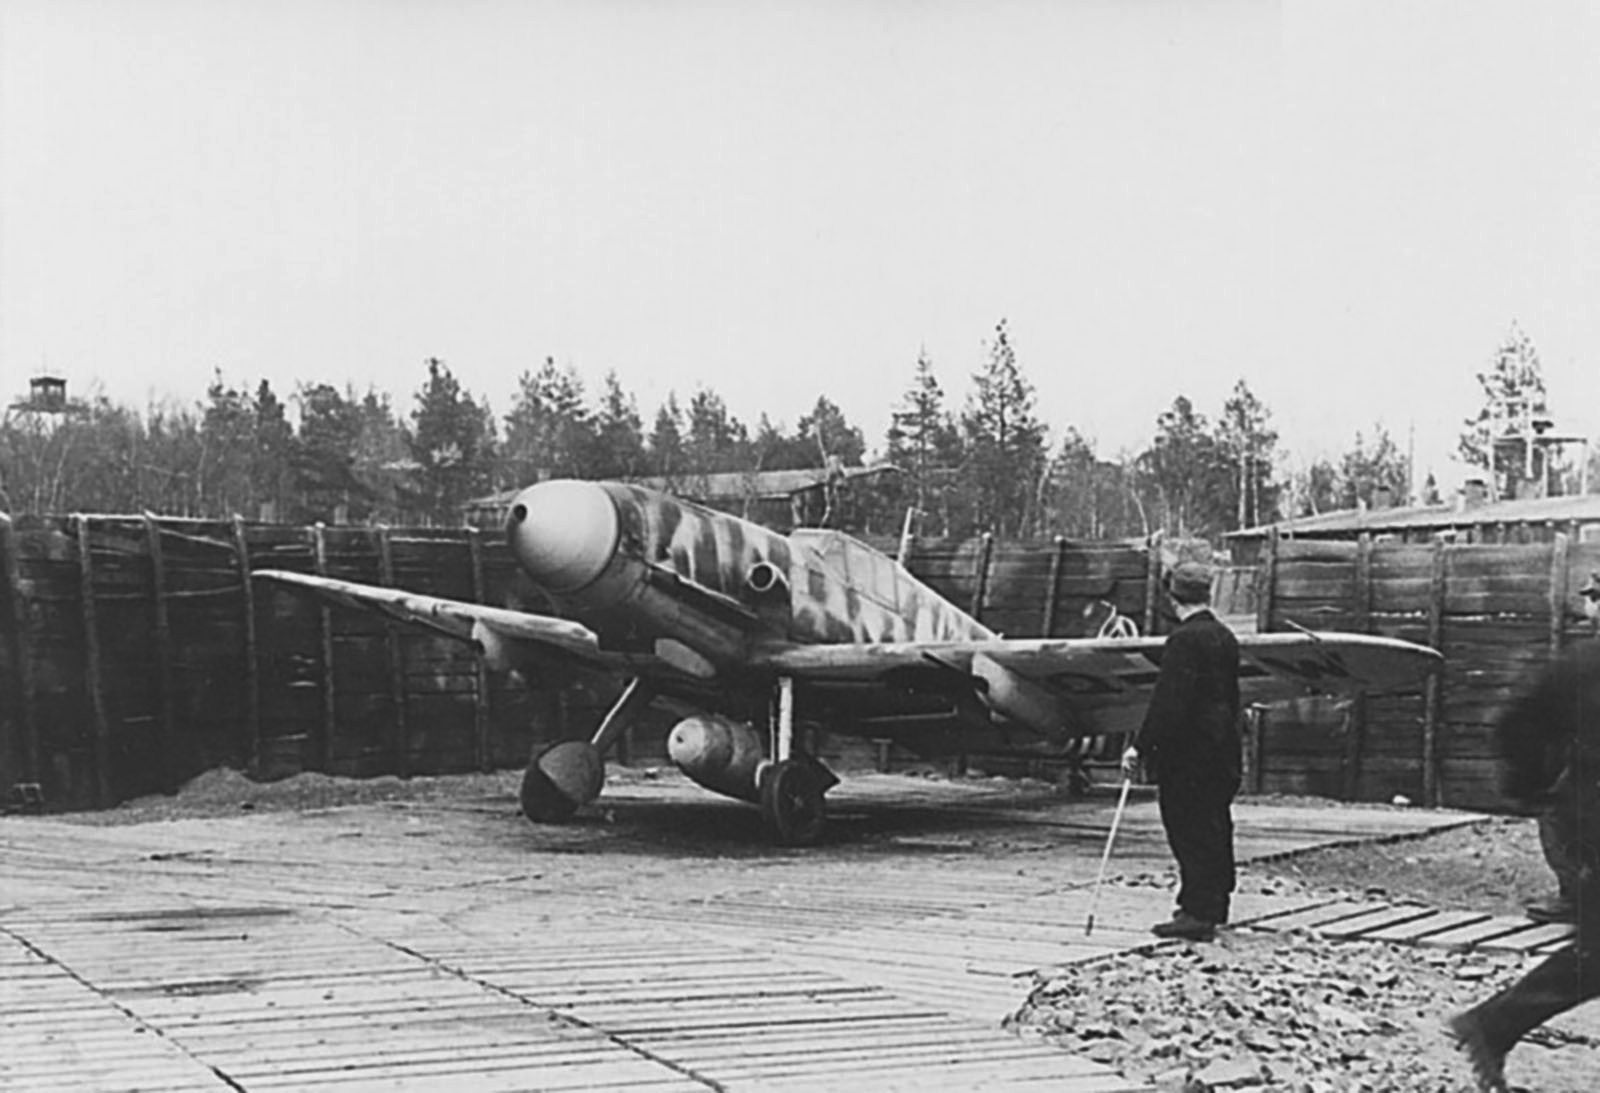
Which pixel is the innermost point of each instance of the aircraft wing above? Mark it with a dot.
(1097, 685)
(489, 627)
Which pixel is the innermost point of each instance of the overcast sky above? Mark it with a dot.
(1344, 204)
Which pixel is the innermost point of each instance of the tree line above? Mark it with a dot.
(986, 466)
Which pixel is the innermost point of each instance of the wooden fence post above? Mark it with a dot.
(92, 673)
(1049, 626)
(322, 749)
(1355, 722)
(981, 586)
(1152, 580)
(27, 693)
(252, 660)
(480, 694)
(163, 628)
(1266, 585)
(1434, 700)
(392, 652)
(1560, 551)
(1255, 717)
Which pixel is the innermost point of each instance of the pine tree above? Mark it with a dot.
(1004, 444)
(619, 434)
(1374, 465)
(923, 442)
(831, 435)
(323, 458)
(1189, 473)
(716, 441)
(666, 452)
(271, 473)
(549, 431)
(1246, 434)
(451, 441)
(1513, 399)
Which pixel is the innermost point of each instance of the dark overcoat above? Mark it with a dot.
(1549, 737)
(1191, 728)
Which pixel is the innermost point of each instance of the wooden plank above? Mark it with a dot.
(322, 742)
(252, 660)
(481, 708)
(1320, 915)
(618, 1069)
(1560, 554)
(536, 1066)
(1378, 919)
(1483, 559)
(1047, 626)
(1535, 937)
(167, 743)
(980, 576)
(1435, 682)
(401, 761)
(1436, 922)
(1355, 722)
(1475, 933)
(27, 748)
(104, 796)
(1316, 550)
(708, 1046)
(1267, 587)
(1254, 749)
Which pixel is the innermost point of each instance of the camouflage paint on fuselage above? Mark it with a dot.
(840, 590)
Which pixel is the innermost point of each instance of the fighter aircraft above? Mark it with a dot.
(748, 633)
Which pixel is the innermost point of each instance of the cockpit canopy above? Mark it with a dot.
(854, 563)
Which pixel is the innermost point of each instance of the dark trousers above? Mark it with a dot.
(1564, 980)
(1559, 839)
(1196, 813)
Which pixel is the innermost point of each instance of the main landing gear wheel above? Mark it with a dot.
(791, 802)
(560, 779)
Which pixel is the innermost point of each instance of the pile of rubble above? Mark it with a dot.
(1280, 1011)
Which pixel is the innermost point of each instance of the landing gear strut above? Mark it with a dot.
(564, 777)
(793, 785)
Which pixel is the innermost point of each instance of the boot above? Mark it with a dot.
(1488, 1064)
(1186, 927)
(1557, 908)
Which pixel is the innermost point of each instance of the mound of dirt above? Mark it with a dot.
(225, 791)
(1494, 866)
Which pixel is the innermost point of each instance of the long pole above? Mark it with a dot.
(1116, 822)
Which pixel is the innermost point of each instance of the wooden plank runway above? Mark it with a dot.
(655, 944)
(1420, 925)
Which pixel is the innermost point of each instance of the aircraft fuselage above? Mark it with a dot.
(639, 565)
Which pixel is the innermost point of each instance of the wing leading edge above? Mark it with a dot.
(471, 622)
(1098, 681)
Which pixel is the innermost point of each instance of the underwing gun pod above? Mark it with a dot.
(752, 636)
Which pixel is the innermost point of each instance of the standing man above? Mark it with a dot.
(1556, 835)
(1190, 745)
(1559, 714)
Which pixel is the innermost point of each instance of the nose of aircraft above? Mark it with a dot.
(563, 533)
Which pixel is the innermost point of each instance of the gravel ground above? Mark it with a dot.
(1292, 1012)
(1257, 1010)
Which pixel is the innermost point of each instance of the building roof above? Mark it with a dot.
(760, 485)
(730, 485)
(1576, 508)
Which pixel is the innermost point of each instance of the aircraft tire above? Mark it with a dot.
(792, 803)
(560, 779)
